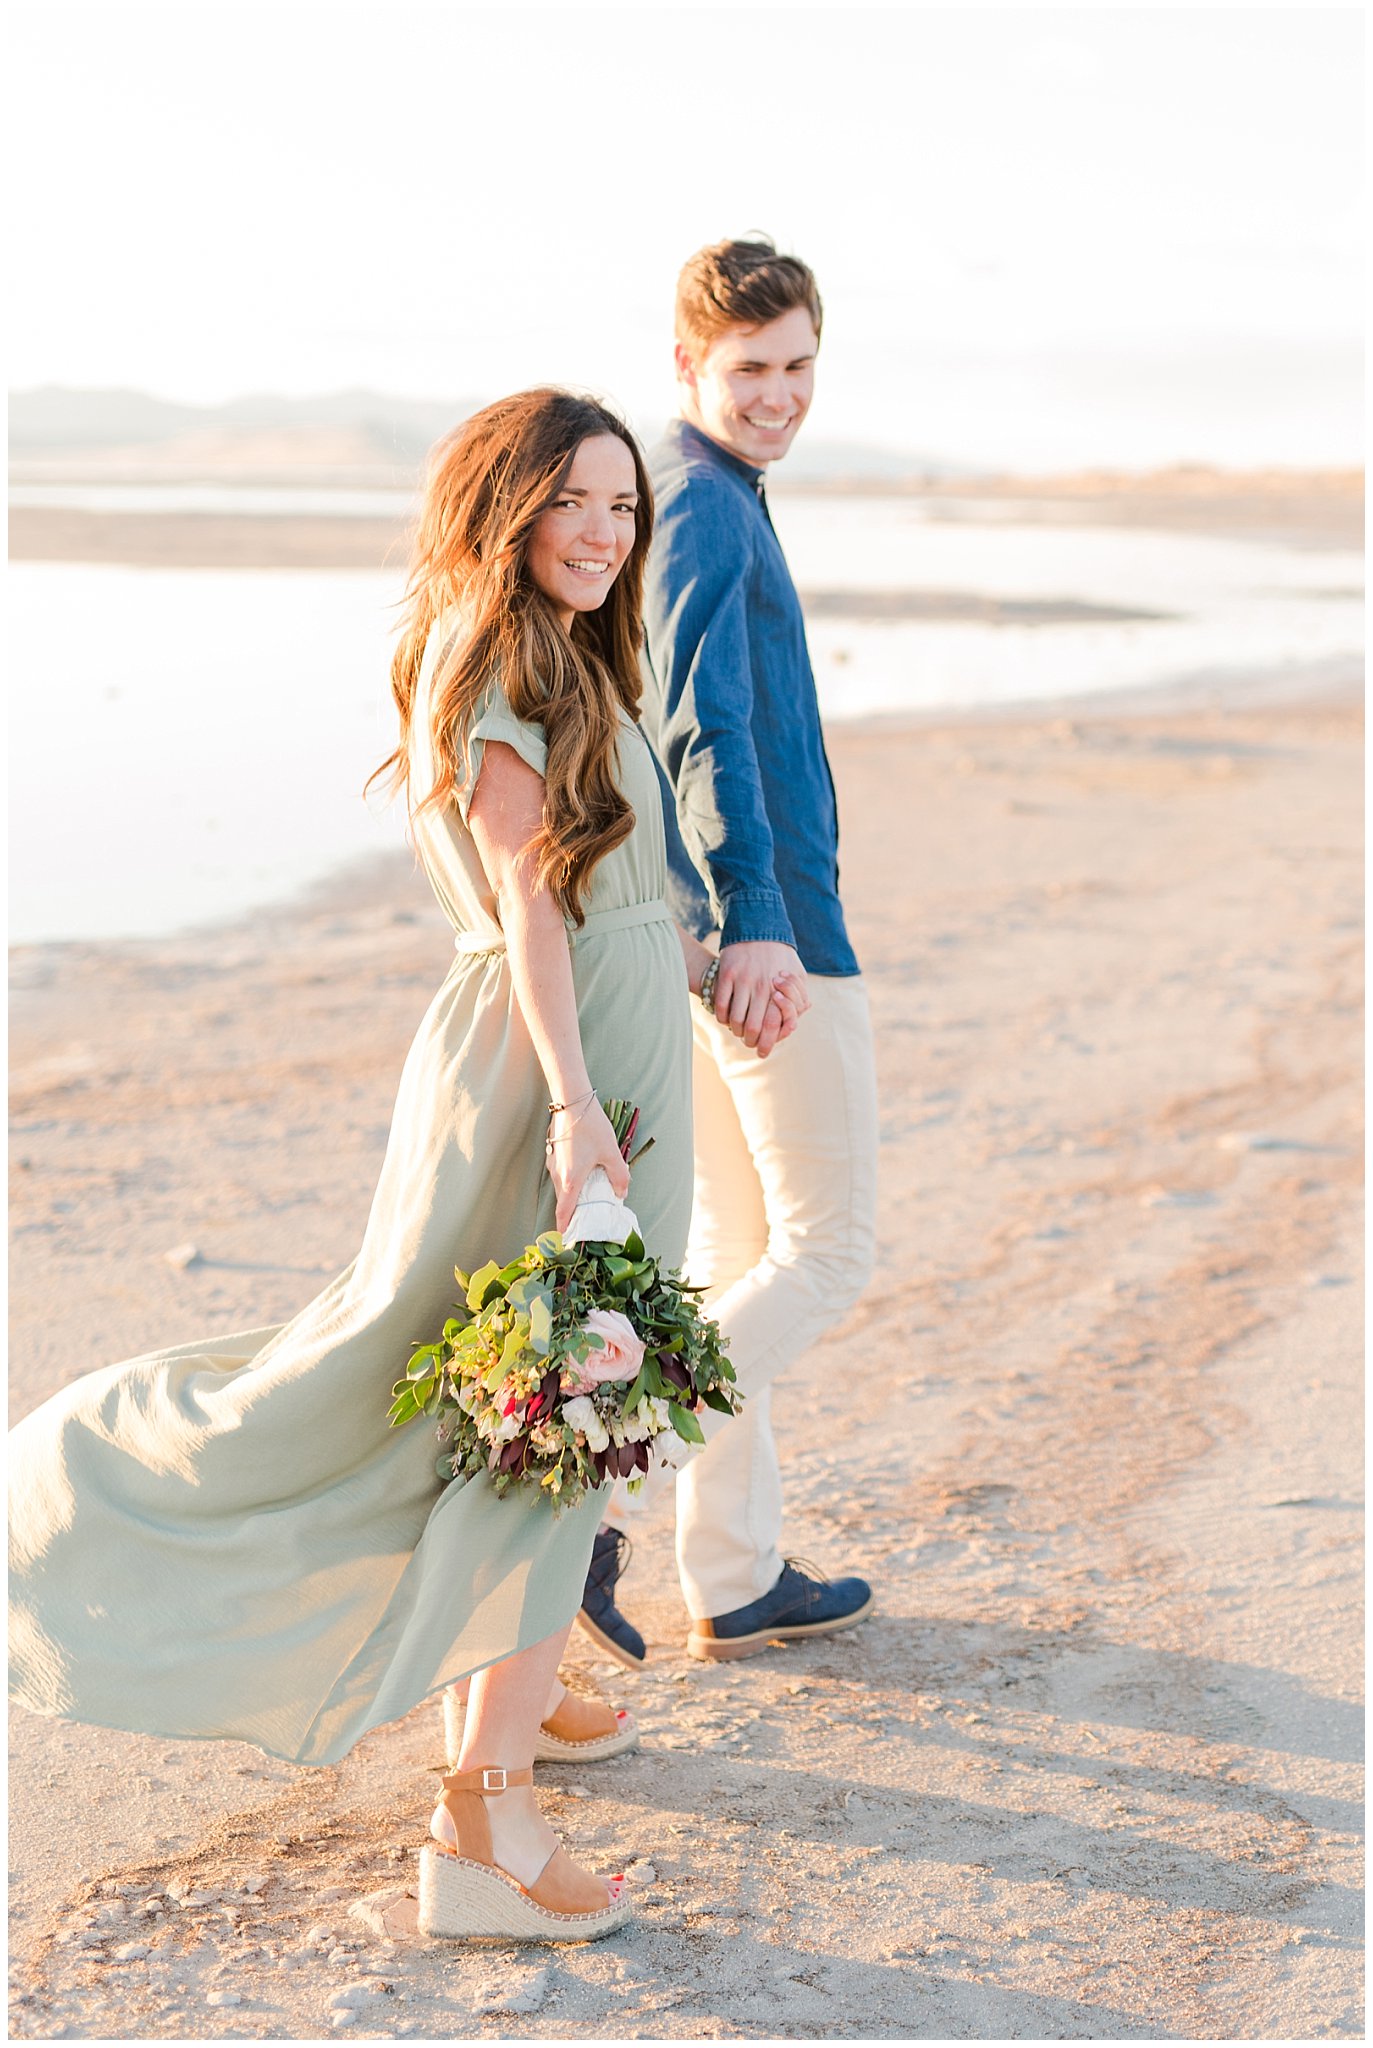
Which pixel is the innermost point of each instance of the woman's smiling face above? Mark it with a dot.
(580, 544)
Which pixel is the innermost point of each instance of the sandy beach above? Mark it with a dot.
(1092, 1769)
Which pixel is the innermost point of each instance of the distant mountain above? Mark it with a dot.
(860, 462)
(338, 436)
(54, 418)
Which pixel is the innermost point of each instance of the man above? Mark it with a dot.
(786, 1146)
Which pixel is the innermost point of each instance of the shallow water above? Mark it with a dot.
(185, 744)
(188, 743)
(279, 500)
(1228, 608)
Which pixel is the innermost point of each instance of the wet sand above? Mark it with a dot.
(1092, 1769)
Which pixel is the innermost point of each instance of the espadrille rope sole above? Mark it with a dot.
(548, 1749)
(465, 1901)
(551, 1749)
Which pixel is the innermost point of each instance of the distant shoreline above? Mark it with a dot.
(1317, 510)
(199, 540)
(205, 540)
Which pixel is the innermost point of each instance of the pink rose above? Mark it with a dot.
(620, 1356)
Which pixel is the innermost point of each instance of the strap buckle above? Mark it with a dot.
(491, 1775)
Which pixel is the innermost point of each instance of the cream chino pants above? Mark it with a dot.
(782, 1237)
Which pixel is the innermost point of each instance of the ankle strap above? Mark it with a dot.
(490, 1779)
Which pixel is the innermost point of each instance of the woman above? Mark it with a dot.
(226, 1539)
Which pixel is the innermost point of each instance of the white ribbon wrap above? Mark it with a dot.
(600, 1217)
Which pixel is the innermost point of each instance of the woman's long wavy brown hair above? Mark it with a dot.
(485, 487)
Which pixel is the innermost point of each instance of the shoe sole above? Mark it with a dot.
(551, 1749)
(720, 1649)
(464, 1901)
(607, 1643)
(548, 1749)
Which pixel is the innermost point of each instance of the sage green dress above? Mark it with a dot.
(226, 1539)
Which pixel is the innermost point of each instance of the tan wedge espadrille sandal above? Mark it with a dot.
(466, 1896)
(566, 1737)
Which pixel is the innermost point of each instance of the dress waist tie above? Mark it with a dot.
(598, 923)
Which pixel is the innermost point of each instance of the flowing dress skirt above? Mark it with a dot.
(226, 1539)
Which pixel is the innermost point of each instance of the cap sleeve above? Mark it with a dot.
(496, 721)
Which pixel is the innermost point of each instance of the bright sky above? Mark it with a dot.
(1044, 236)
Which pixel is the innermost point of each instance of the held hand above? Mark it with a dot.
(784, 1012)
(748, 974)
(577, 1141)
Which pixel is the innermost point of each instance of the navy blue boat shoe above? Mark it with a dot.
(802, 1603)
(598, 1614)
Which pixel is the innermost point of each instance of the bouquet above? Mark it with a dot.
(565, 1367)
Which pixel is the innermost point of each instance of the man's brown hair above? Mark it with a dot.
(741, 284)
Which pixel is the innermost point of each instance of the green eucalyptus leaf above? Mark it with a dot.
(685, 1423)
(479, 1286)
(540, 1325)
(516, 1343)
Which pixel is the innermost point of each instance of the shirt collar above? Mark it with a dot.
(701, 444)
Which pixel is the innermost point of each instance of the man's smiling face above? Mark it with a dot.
(750, 388)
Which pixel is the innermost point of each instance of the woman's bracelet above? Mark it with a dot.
(582, 1102)
(708, 981)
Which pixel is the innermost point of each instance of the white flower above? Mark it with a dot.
(650, 1419)
(582, 1414)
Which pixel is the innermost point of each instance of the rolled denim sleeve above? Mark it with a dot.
(698, 649)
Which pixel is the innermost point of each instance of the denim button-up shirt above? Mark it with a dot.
(731, 713)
